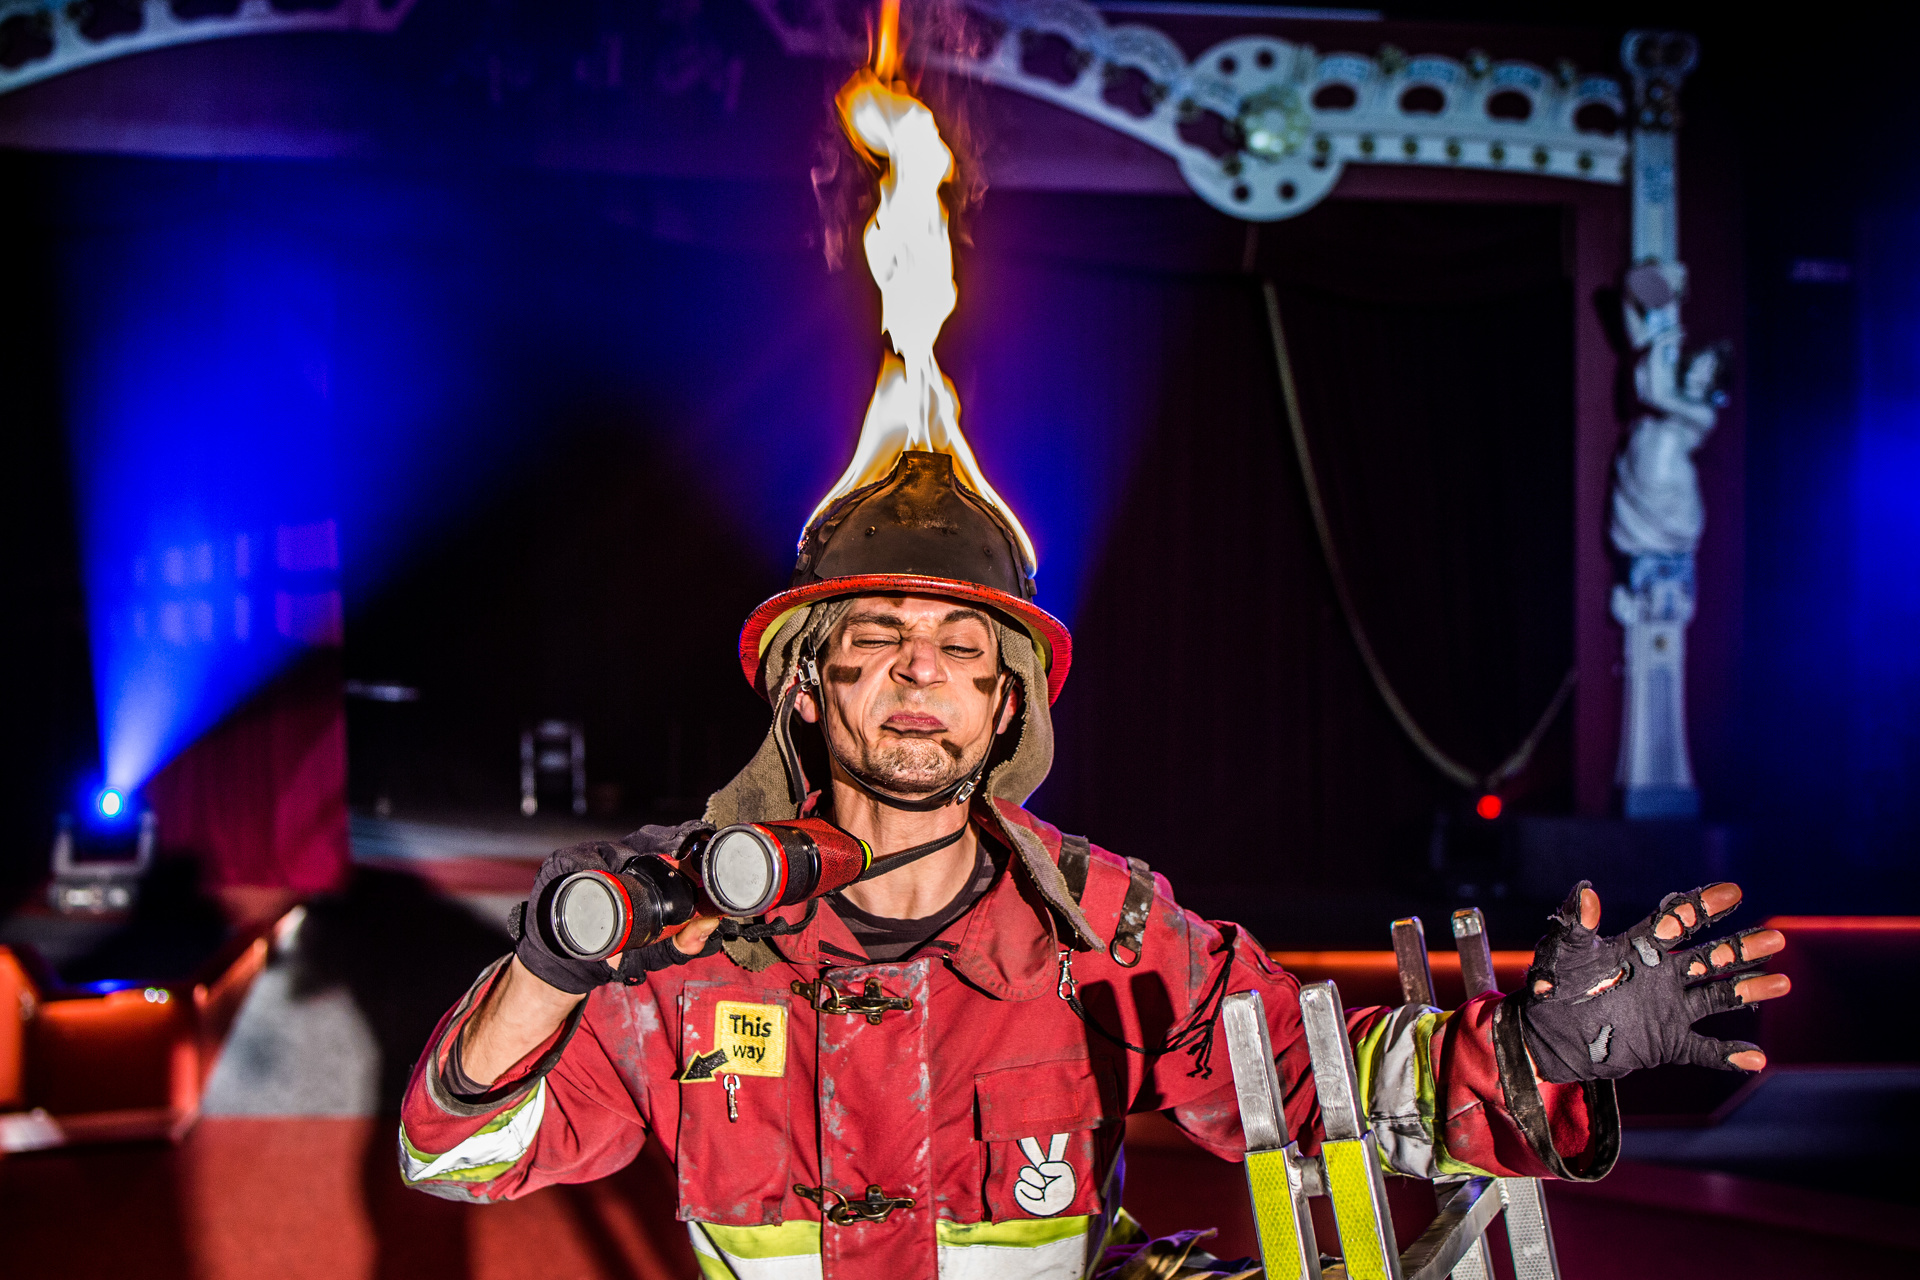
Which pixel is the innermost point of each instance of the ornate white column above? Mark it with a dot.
(1657, 512)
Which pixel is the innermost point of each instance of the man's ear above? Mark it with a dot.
(807, 709)
(1012, 709)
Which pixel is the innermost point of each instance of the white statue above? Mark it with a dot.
(1656, 495)
(1657, 520)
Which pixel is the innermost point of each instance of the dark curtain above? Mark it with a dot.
(1218, 721)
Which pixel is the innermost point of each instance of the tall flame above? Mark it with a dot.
(914, 405)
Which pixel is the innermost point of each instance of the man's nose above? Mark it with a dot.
(918, 663)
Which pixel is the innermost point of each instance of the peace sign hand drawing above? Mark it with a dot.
(1046, 1185)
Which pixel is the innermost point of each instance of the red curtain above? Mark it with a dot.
(261, 800)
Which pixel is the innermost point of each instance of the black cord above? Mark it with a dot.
(895, 861)
(1195, 1037)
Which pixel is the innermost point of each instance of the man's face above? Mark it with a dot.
(911, 685)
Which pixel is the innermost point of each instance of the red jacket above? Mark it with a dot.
(965, 1086)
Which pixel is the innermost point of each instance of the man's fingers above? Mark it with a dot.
(1682, 918)
(692, 940)
(1721, 898)
(1589, 909)
(1741, 949)
(1767, 986)
(1724, 1055)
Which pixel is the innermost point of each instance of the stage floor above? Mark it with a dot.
(316, 1198)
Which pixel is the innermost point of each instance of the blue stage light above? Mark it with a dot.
(199, 366)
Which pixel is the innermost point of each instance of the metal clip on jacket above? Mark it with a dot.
(826, 998)
(874, 1207)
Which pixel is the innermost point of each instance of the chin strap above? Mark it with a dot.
(797, 788)
(959, 791)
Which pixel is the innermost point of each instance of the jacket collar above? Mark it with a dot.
(1008, 945)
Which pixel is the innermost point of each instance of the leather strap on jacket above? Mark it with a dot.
(1132, 926)
(1076, 858)
(1076, 855)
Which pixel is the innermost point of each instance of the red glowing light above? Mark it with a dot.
(1488, 807)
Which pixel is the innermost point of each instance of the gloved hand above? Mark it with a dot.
(542, 954)
(1597, 1008)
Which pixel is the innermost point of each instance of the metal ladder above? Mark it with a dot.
(1348, 1167)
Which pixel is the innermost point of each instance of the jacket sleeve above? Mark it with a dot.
(561, 1114)
(1446, 1091)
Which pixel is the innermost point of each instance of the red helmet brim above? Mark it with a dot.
(1048, 632)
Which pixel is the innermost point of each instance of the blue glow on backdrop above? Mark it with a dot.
(1884, 700)
(284, 380)
(198, 394)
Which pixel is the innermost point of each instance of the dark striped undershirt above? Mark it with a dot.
(886, 940)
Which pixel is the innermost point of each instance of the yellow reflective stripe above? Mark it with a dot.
(1042, 1248)
(1366, 1066)
(1350, 1187)
(757, 1253)
(773, 628)
(484, 1154)
(1020, 1233)
(780, 1240)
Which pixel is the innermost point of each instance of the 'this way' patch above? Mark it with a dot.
(753, 1036)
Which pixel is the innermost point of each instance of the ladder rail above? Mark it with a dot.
(1529, 1229)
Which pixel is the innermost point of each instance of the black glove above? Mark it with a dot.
(542, 954)
(1619, 1004)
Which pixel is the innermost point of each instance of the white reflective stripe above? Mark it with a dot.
(1055, 1260)
(1064, 1258)
(495, 1144)
(716, 1262)
(1394, 1113)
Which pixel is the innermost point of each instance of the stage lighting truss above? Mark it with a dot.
(1261, 127)
(42, 38)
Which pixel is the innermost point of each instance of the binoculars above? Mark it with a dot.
(743, 870)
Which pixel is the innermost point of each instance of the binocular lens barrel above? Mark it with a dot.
(745, 870)
(596, 914)
(592, 914)
(752, 868)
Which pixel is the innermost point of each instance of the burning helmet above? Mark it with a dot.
(912, 514)
(919, 530)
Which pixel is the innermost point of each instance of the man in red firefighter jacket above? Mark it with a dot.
(928, 1072)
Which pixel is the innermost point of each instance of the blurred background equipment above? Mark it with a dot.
(98, 861)
(378, 723)
(553, 766)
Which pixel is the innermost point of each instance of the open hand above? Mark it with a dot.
(1599, 1008)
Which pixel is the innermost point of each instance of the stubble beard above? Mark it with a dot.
(913, 766)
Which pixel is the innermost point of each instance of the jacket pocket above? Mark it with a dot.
(1039, 1131)
(735, 1047)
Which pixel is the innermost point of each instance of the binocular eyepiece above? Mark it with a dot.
(743, 870)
